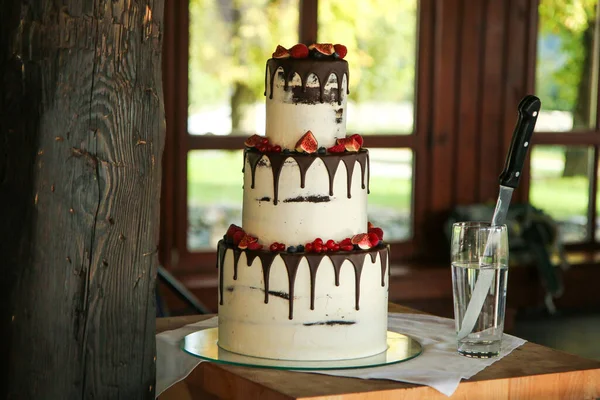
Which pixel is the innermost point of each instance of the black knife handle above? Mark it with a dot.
(529, 109)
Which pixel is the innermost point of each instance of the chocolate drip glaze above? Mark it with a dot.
(236, 257)
(330, 323)
(308, 199)
(292, 261)
(304, 161)
(322, 69)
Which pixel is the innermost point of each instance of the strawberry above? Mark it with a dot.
(273, 246)
(377, 231)
(358, 138)
(253, 141)
(323, 48)
(307, 143)
(349, 143)
(347, 247)
(362, 240)
(255, 246)
(340, 50)
(346, 242)
(243, 244)
(238, 236)
(299, 51)
(373, 238)
(281, 52)
(336, 247)
(232, 230)
(338, 148)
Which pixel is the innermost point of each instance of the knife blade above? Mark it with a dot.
(528, 111)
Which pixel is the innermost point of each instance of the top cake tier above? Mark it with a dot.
(303, 95)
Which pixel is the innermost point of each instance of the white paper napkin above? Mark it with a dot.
(439, 367)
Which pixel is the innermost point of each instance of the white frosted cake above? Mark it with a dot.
(306, 276)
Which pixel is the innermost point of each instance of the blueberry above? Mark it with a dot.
(286, 151)
(316, 55)
(356, 247)
(300, 248)
(336, 55)
(322, 150)
(292, 249)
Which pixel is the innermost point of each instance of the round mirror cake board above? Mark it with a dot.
(203, 344)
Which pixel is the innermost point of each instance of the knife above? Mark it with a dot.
(528, 110)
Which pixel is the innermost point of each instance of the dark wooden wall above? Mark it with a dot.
(81, 140)
(482, 64)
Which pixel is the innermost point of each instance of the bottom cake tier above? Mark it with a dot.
(303, 306)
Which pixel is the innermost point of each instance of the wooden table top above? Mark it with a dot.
(529, 372)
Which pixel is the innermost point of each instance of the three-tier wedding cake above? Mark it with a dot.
(306, 275)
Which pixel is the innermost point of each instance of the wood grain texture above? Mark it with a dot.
(82, 138)
(529, 372)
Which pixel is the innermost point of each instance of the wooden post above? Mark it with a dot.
(81, 139)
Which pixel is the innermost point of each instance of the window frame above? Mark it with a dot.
(174, 253)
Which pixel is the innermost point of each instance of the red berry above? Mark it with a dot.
(336, 247)
(264, 141)
(308, 247)
(255, 246)
(274, 246)
(299, 51)
(317, 247)
(346, 242)
(338, 148)
(238, 236)
(281, 246)
(232, 230)
(318, 240)
(261, 148)
(347, 247)
(373, 238)
(276, 148)
(253, 140)
(341, 50)
(377, 231)
(330, 244)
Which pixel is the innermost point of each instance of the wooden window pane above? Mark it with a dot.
(567, 64)
(560, 186)
(214, 197)
(390, 201)
(229, 43)
(381, 38)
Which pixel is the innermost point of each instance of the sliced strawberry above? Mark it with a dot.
(232, 229)
(243, 244)
(238, 236)
(281, 52)
(340, 50)
(307, 143)
(373, 238)
(255, 246)
(351, 144)
(358, 138)
(253, 141)
(377, 231)
(299, 51)
(323, 48)
(362, 240)
(338, 148)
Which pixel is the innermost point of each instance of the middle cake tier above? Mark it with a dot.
(297, 197)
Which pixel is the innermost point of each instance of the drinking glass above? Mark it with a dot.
(479, 254)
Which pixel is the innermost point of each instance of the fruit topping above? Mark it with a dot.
(351, 144)
(362, 240)
(324, 48)
(340, 50)
(233, 228)
(300, 248)
(322, 150)
(274, 246)
(243, 244)
(338, 148)
(281, 52)
(358, 138)
(238, 236)
(255, 246)
(276, 148)
(292, 249)
(308, 247)
(330, 244)
(253, 141)
(373, 238)
(307, 143)
(370, 225)
(318, 240)
(280, 247)
(377, 231)
(299, 51)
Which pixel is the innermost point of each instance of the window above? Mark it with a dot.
(219, 61)
(564, 163)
